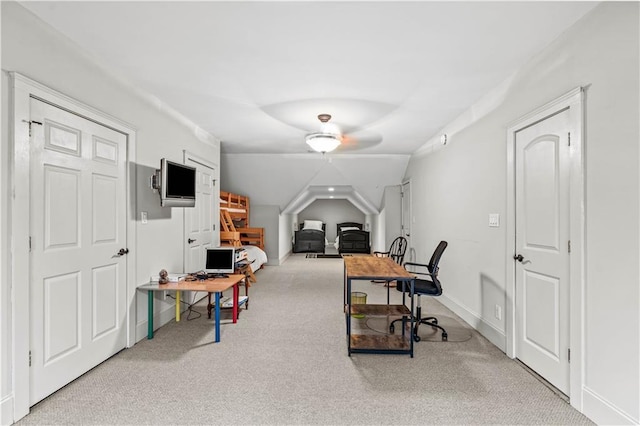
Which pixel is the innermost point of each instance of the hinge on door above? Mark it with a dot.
(31, 122)
(29, 358)
(568, 355)
(29, 244)
(569, 138)
(214, 226)
(569, 246)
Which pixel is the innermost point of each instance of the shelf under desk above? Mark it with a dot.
(384, 269)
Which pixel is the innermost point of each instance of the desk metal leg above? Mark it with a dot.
(348, 316)
(412, 294)
(217, 316)
(235, 301)
(150, 315)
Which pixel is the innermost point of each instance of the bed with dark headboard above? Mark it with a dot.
(310, 238)
(352, 239)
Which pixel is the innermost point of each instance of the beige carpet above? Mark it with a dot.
(285, 362)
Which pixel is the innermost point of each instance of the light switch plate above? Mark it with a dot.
(143, 217)
(494, 220)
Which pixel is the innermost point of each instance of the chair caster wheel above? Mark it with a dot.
(445, 337)
(416, 338)
(392, 328)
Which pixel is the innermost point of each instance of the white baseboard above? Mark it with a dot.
(495, 336)
(159, 320)
(6, 410)
(283, 258)
(602, 411)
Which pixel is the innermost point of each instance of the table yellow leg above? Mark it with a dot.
(177, 306)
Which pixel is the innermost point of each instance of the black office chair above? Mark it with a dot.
(427, 283)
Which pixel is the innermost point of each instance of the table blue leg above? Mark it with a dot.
(217, 316)
(150, 315)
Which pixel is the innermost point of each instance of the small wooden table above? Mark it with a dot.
(385, 269)
(211, 285)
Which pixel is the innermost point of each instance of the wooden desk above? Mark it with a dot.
(384, 269)
(212, 285)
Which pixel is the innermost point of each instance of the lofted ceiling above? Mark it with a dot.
(256, 74)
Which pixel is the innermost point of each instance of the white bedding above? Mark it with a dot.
(256, 256)
(233, 210)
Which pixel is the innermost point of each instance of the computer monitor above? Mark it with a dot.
(220, 261)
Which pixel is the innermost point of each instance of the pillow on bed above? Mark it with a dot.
(349, 228)
(313, 224)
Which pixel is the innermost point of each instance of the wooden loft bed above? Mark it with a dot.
(234, 222)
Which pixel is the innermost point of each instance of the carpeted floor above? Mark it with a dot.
(286, 362)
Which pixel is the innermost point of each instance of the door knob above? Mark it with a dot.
(123, 251)
(191, 240)
(518, 257)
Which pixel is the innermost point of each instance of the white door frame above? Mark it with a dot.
(410, 255)
(215, 211)
(574, 102)
(23, 89)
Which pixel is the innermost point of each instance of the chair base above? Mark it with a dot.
(430, 321)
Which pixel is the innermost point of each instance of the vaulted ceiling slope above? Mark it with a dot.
(293, 181)
(256, 74)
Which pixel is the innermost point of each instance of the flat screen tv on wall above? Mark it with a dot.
(176, 184)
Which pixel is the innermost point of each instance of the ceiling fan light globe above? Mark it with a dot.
(321, 142)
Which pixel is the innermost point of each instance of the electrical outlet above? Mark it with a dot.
(498, 312)
(494, 220)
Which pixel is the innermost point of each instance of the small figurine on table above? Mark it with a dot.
(164, 277)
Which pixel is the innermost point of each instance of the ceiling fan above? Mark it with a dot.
(330, 136)
(327, 139)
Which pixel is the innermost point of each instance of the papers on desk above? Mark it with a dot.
(227, 302)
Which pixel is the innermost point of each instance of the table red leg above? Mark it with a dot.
(235, 303)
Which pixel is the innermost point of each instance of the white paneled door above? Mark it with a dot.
(78, 246)
(200, 220)
(542, 248)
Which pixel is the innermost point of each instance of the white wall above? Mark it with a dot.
(467, 177)
(378, 224)
(34, 50)
(5, 295)
(393, 208)
(267, 217)
(285, 232)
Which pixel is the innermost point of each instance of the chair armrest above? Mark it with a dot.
(424, 265)
(420, 269)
